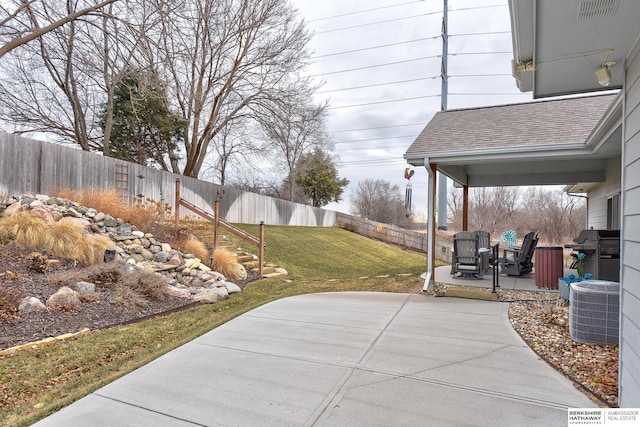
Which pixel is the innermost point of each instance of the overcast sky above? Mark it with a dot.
(380, 62)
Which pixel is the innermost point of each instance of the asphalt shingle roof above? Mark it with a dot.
(516, 125)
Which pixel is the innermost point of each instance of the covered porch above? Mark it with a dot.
(573, 142)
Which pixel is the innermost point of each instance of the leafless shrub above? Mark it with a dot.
(107, 275)
(89, 297)
(37, 262)
(145, 283)
(129, 298)
(132, 287)
(10, 297)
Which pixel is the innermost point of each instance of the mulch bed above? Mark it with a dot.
(18, 279)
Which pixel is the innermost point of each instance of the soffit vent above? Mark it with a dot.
(593, 9)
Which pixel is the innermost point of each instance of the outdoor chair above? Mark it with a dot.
(466, 262)
(484, 244)
(518, 261)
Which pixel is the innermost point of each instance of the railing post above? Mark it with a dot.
(261, 256)
(216, 223)
(176, 206)
(495, 250)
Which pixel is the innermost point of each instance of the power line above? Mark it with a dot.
(377, 65)
(369, 163)
(380, 127)
(376, 47)
(364, 11)
(383, 102)
(480, 34)
(397, 5)
(480, 75)
(477, 7)
(481, 53)
(375, 23)
(374, 139)
(489, 94)
(378, 84)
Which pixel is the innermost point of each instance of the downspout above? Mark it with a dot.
(586, 208)
(465, 208)
(431, 225)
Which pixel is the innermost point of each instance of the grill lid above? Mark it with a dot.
(594, 235)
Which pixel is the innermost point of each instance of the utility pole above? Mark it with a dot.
(441, 178)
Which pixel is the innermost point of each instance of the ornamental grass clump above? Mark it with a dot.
(226, 263)
(197, 248)
(63, 240)
(92, 248)
(27, 231)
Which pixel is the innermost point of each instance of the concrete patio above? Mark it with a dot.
(522, 283)
(343, 359)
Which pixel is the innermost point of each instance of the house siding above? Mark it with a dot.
(597, 210)
(629, 390)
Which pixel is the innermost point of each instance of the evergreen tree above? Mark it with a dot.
(318, 179)
(144, 130)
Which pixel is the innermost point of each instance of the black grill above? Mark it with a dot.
(602, 253)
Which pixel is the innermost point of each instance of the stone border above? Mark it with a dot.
(11, 351)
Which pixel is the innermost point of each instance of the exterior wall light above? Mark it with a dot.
(604, 73)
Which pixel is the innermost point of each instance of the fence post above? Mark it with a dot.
(177, 203)
(216, 224)
(261, 252)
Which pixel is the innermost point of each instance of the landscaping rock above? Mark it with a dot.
(66, 299)
(207, 297)
(31, 305)
(232, 288)
(110, 221)
(161, 256)
(124, 230)
(84, 287)
(43, 213)
(178, 292)
(221, 292)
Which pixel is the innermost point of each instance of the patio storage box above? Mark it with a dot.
(594, 310)
(549, 266)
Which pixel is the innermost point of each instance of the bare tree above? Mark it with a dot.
(454, 208)
(557, 216)
(237, 145)
(62, 82)
(295, 130)
(379, 200)
(226, 59)
(492, 209)
(22, 21)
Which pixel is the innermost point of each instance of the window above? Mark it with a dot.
(613, 212)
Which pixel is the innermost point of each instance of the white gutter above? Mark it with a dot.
(572, 149)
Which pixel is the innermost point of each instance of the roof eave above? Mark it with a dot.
(573, 149)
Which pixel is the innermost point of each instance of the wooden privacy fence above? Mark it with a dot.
(32, 166)
(217, 223)
(412, 239)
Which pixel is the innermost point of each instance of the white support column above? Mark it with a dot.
(431, 177)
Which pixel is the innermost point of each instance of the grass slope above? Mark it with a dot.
(40, 381)
(326, 253)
